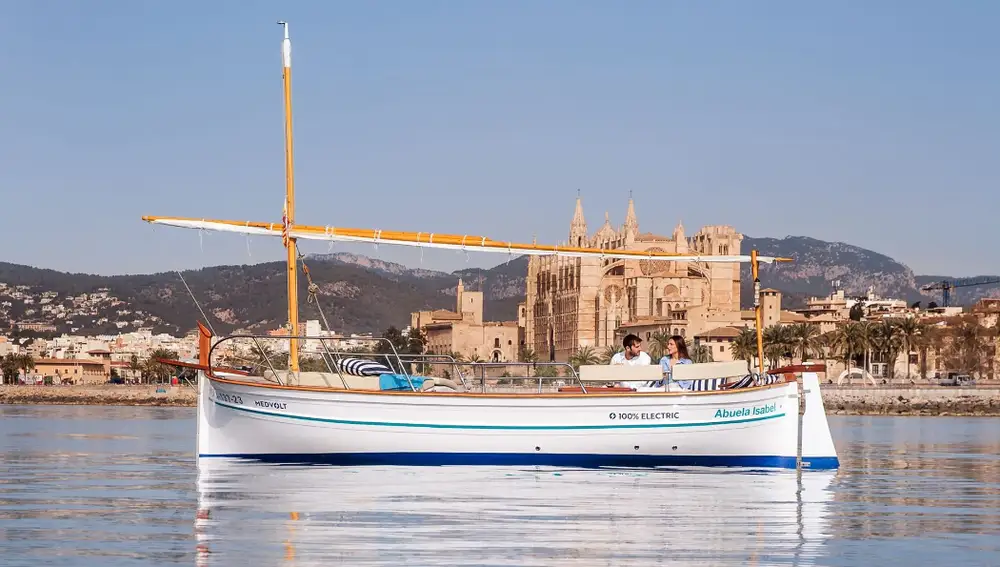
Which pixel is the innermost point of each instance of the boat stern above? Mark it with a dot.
(818, 450)
(204, 429)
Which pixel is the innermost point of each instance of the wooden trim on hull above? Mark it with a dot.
(606, 390)
(810, 367)
(592, 393)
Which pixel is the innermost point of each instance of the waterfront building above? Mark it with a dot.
(464, 331)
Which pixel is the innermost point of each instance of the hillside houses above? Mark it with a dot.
(28, 308)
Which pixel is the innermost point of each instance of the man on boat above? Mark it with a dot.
(631, 356)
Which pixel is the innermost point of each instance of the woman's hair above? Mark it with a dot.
(682, 349)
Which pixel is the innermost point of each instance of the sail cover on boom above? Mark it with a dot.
(437, 240)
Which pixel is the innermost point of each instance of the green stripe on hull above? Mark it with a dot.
(500, 427)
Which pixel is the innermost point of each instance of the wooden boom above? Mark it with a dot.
(438, 240)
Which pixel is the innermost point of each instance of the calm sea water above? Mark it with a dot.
(111, 486)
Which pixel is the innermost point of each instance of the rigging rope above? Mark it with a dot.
(248, 240)
(198, 305)
(312, 287)
(313, 297)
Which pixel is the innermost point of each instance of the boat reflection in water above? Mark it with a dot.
(313, 515)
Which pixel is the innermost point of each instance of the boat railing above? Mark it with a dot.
(480, 368)
(570, 371)
(430, 358)
(315, 359)
(260, 355)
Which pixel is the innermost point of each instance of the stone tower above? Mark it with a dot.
(721, 240)
(770, 303)
(469, 304)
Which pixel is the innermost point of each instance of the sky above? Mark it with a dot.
(871, 123)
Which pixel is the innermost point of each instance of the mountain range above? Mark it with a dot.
(818, 264)
(361, 294)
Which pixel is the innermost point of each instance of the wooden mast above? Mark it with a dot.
(289, 217)
(757, 307)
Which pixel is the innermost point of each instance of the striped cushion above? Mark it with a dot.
(696, 385)
(362, 367)
(707, 385)
(770, 379)
(751, 380)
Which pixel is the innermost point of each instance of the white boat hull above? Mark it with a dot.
(752, 428)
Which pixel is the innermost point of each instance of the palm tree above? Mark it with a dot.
(609, 352)
(929, 338)
(910, 329)
(865, 329)
(778, 343)
(156, 368)
(850, 341)
(885, 341)
(584, 356)
(967, 351)
(527, 354)
(10, 366)
(658, 344)
(25, 362)
(745, 346)
(135, 368)
(416, 342)
(827, 342)
(806, 339)
(700, 352)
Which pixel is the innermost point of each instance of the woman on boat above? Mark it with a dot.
(677, 353)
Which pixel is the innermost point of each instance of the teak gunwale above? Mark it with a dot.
(594, 393)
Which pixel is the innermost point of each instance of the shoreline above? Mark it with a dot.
(913, 401)
(978, 402)
(99, 395)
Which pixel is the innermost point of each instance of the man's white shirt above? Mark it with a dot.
(643, 358)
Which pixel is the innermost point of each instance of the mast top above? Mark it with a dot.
(286, 47)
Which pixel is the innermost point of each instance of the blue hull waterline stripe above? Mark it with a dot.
(534, 459)
(498, 427)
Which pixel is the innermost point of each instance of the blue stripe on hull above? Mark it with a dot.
(527, 459)
(496, 427)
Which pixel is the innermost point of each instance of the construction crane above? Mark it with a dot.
(946, 286)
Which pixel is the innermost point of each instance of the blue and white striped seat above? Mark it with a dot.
(362, 367)
(707, 376)
(752, 380)
(707, 385)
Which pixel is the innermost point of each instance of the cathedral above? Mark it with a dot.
(576, 302)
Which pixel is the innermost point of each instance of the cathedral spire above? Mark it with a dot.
(631, 222)
(578, 228)
(680, 239)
